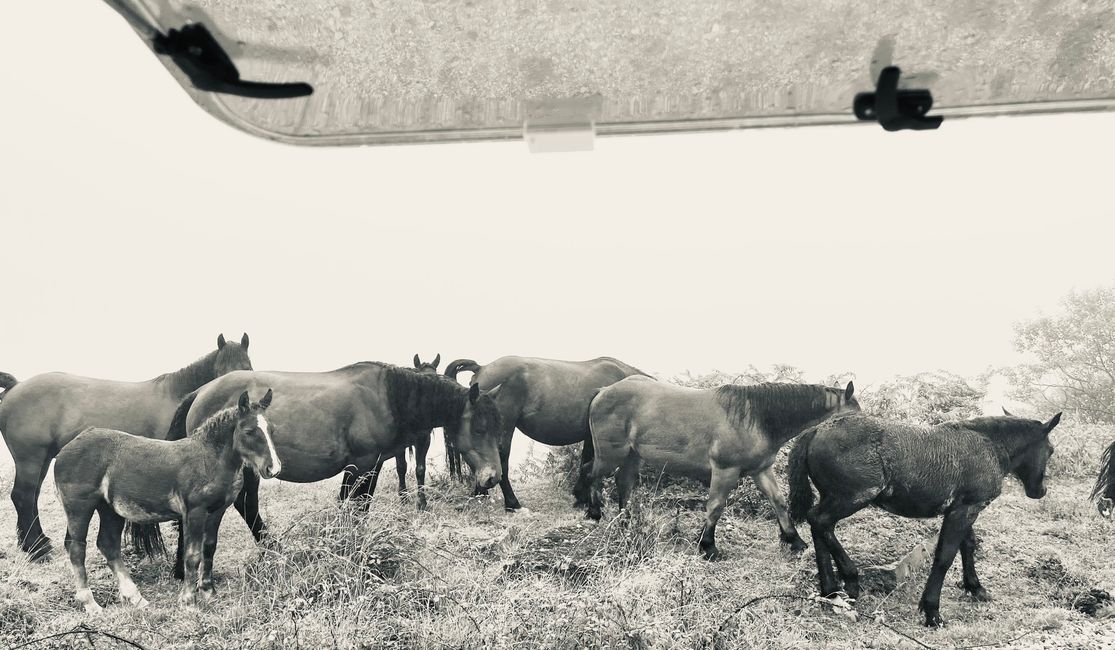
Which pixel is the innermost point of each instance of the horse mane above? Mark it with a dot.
(217, 428)
(776, 407)
(195, 374)
(1011, 431)
(420, 401)
(1105, 481)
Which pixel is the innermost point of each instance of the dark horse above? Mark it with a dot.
(548, 401)
(125, 478)
(40, 415)
(366, 485)
(1104, 491)
(354, 416)
(954, 469)
(714, 436)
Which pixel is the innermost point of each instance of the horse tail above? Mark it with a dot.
(146, 539)
(801, 492)
(177, 429)
(6, 382)
(461, 364)
(1105, 482)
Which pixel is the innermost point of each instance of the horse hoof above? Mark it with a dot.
(798, 546)
(980, 595)
(711, 553)
(593, 514)
(40, 552)
(934, 620)
(93, 609)
(187, 599)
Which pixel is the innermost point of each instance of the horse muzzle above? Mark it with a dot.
(1037, 493)
(270, 471)
(488, 479)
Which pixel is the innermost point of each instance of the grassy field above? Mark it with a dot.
(467, 574)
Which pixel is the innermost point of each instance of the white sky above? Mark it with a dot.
(134, 228)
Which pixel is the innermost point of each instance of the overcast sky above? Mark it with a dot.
(135, 228)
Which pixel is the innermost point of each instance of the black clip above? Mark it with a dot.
(205, 62)
(894, 109)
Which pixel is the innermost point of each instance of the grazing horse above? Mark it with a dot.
(40, 415)
(548, 401)
(953, 469)
(714, 436)
(125, 478)
(354, 416)
(366, 485)
(1104, 491)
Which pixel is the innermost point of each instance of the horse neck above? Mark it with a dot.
(215, 437)
(792, 415)
(1009, 445)
(188, 379)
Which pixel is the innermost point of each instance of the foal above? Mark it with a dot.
(954, 469)
(125, 477)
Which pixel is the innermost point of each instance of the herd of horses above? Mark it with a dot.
(186, 445)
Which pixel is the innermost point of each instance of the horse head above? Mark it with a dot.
(476, 436)
(231, 356)
(428, 367)
(1029, 463)
(252, 436)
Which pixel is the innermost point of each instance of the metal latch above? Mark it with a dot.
(561, 124)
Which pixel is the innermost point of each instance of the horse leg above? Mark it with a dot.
(955, 527)
(29, 476)
(510, 501)
(209, 549)
(108, 541)
(421, 447)
(348, 479)
(767, 484)
(581, 489)
(77, 530)
(626, 479)
(401, 469)
(724, 480)
(968, 560)
(194, 530)
(822, 522)
(247, 504)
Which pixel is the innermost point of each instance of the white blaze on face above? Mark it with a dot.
(276, 466)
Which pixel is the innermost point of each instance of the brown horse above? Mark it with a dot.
(955, 469)
(354, 416)
(548, 401)
(127, 478)
(40, 415)
(353, 486)
(714, 436)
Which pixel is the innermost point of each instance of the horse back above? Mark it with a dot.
(48, 410)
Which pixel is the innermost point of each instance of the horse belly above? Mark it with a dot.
(139, 505)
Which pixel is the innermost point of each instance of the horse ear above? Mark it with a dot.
(849, 391)
(220, 341)
(244, 403)
(437, 360)
(417, 362)
(473, 393)
(1053, 421)
(1007, 413)
(266, 401)
(244, 341)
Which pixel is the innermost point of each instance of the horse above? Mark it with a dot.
(1103, 493)
(40, 415)
(353, 416)
(711, 435)
(366, 485)
(548, 401)
(953, 469)
(126, 478)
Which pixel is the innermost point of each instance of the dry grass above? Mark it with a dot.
(466, 574)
